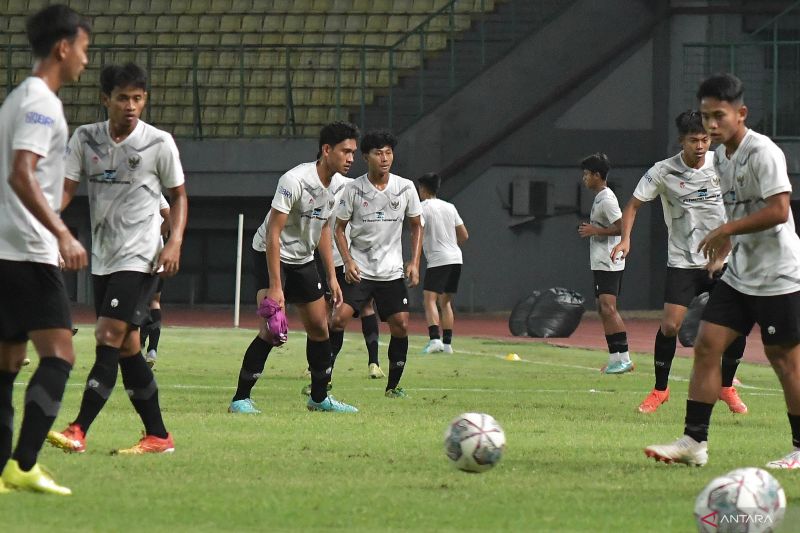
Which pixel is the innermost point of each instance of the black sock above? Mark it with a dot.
(144, 330)
(255, 357)
(447, 336)
(698, 416)
(617, 342)
(663, 355)
(6, 416)
(318, 355)
(155, 329)
(336, 339)
(794, 421)
(369, 327)
(99, 384)
(730, 360)
(140, 384)
(42, 403)
(433, 332)
(398, 351)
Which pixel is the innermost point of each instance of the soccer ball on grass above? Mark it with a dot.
(474, 442)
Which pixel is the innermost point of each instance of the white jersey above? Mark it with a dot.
(439, 241)
(301, 195)
(376, 224)
(31, 119)
(605, 211)
(125, 183)
(692, 203)
(765, 263)
(338, 192)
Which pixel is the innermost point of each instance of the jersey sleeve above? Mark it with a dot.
(769, 164)
(73, 162)
(170, 170)
(413, 205)
(649, 186)
(344, 210)
(162, 203)
(287, 193)
(36, 120)
(611, 209)
(457, 218)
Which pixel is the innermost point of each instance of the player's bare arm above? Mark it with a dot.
(775, 212)
(412, 268)
(166, 222)
(23, 182)
(70, 189)
(277, 221)
(325, 248)
(461, 234)
(628, 218)
(170, 256)
(351, 272)
(587, 229)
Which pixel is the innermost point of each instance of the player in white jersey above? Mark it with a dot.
(762, 282)
(374, 206)
(126, 163)
(33, 300)
(692, 202)
(603, 229)
(150, 330)
(296, 226)
(443, 234)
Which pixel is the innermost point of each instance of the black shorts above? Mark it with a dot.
(160, 285)
(607, 282)
(323, 277)
(32, 297)
(442, 279)
(683, 284)
(301, 283)
(778, 316)
(390, 296)
(124, 296)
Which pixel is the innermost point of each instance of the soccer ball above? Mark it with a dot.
(745, 500)
(474, 442)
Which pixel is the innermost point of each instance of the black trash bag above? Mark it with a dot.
(518, 321)
(691, 322)
(557, 313)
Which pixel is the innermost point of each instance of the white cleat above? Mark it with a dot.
(685, 450)
(448, 348)
(434, 346)
(789, 462)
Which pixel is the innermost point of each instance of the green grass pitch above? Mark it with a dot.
(573, 460)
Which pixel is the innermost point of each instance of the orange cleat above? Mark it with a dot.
(731, 397)
(149, 444)
(654, 400)
(71, 440)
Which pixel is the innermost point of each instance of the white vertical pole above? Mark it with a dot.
(236, 303)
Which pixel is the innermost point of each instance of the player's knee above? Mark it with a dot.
(608, 309)
(670, 328)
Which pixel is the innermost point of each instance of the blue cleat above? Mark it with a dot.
(330, 404)
(620, 367)
(246, 407)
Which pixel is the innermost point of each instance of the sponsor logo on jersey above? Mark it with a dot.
(32, 117)
(380, 215)
(134, 161)
(110, 174)
(648, 177)
(114, 302)
(316, 212)
(285, 192)
(365, 204)
(683, 185)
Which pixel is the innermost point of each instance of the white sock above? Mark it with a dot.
(625, 357)
(613, 358)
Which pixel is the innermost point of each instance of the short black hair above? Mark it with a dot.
(597, 162)
(690, 121)
(431, 181)
(336, 132)
(53, 23)
(127, 75)
(724, 87)
(377, 139)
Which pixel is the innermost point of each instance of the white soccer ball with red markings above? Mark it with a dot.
(745, 500)
(474, 442)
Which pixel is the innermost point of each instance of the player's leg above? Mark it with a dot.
(445, 302)
(154, 327)
(432, 287)
(726, 317)
(11, 356)
(354, 296)
(371, 333)
(391, 299)
(730, 363)
(608, 285)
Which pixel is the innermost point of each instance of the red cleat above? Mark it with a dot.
(654, 400)
(731, 397)
(149, 444)
(71, 440)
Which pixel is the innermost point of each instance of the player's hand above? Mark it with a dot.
(276, 294)
(169, 260)
(336, 292)
(71, 252)
(412, 275)
(715, 266)
(351, 272)
(585, 229)
(714, 243)
(61, 263)
(624, 247)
